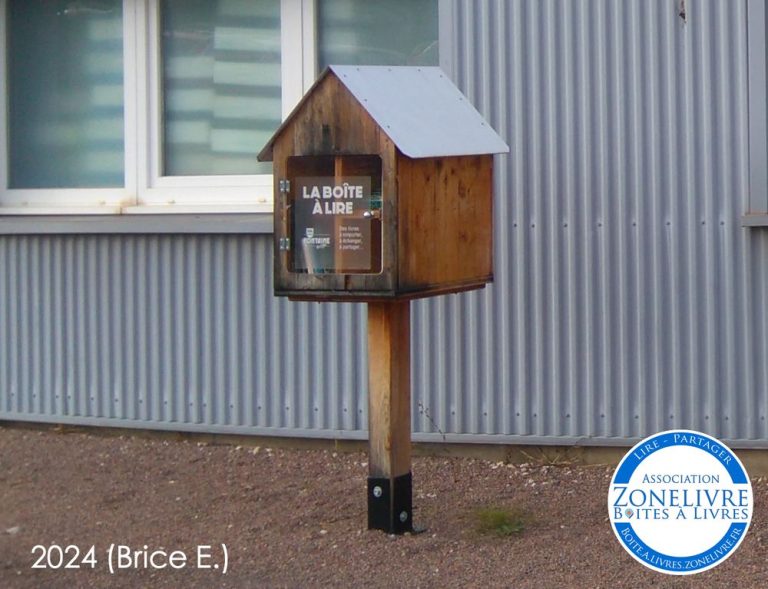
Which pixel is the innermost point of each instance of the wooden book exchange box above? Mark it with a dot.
(383, 188)
(383, 193)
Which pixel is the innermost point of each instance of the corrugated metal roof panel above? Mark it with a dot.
(419, 108)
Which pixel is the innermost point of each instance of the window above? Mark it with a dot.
(220, 67)
(65, 121)
(162, 105)
(395, 32)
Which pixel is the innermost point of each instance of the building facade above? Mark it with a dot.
(631, 257)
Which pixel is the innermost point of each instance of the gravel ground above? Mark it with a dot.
(296, 518)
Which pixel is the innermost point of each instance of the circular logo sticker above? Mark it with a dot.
(680, 502)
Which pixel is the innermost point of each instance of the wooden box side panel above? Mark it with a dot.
(445, 222)
(332, 122)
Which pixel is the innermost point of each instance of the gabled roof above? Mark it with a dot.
(419, 108)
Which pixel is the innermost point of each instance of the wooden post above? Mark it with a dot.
(389, 417)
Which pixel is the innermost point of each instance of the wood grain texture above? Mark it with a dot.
(445, 223)
(333, 123)
(389, 389)
(281, 217)
(437, 224)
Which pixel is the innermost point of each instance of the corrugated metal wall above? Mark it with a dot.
(628, 299)
(171, 331)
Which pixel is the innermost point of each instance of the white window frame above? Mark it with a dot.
(146, 190)
(73, 200)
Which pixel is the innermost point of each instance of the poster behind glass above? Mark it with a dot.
(336, 214)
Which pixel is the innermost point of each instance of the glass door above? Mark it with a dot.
(335, 214)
